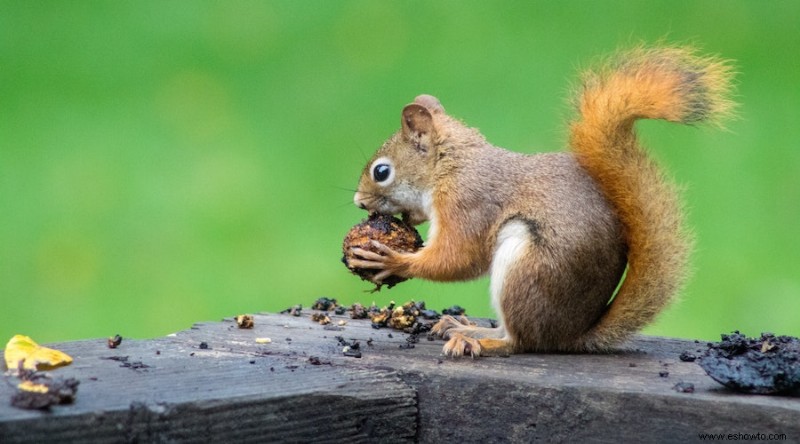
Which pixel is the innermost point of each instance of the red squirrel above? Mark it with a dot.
(555, 231)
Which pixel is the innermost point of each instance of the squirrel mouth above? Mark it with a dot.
(404, 216)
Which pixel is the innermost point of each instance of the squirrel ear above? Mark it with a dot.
(417, 125)
(430, 102)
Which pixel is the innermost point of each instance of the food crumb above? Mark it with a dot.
(295, 310)
(245, 321)
(114, 341)
(350, 349)
(263, 340)
(321, 318)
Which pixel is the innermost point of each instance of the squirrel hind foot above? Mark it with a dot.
(460, 345)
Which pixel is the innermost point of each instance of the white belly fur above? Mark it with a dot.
(512, 241)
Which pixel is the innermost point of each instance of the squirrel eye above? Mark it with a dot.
(381, 172)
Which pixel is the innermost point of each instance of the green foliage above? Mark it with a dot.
(168, 162)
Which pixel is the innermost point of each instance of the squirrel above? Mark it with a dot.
(559, 232)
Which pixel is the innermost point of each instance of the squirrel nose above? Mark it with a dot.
(359, 201)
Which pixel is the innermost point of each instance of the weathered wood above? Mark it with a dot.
(241, 391)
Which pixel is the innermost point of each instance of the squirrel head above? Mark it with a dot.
(399, 177)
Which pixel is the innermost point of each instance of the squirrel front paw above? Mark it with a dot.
(447, 323)
(387, 260)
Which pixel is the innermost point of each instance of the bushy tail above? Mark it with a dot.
(672, 84)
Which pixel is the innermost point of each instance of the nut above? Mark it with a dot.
(386, 229)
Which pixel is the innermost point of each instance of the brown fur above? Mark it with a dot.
(555, 230)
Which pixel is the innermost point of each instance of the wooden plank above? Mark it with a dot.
(250, 393)
(301, 387)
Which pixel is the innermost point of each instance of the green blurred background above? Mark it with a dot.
(166, 162)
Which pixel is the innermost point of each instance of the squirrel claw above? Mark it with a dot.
(368, 255)
(372, 265)
(380, 277)
(383, 250)
(460, 345)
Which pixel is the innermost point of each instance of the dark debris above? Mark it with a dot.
(351, 349)
(49, 391)
(125, 363)
(295, 310)
(455, 310)
(684, 387)
(316, 360)
(325, 304)
(766, 365)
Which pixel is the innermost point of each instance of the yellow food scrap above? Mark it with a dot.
(263, 340)
(30, 386)
(22, 349)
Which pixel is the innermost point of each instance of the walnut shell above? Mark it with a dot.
(386, 229)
